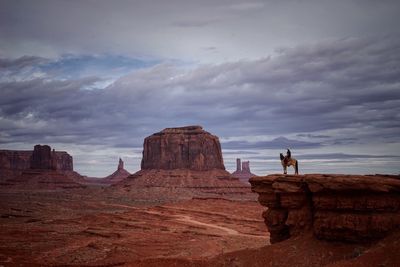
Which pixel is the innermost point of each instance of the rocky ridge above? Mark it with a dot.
(352, 208)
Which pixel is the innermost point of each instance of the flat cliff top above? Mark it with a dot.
(29, 152)
(187, 130)
(331, 182)
(13, 151)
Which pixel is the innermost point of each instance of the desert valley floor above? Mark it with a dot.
(85, 227)
(184, 209)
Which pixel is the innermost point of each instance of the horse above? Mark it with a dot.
(289, 161)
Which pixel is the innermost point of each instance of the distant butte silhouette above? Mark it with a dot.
(39, 169)
(119, 175)
(243, 171)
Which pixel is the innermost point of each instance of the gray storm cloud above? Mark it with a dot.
(318, 76)
(353, 85)
(181, 29)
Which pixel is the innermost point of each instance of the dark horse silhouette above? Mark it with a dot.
(289, 161)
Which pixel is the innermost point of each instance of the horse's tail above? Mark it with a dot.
(297, 167)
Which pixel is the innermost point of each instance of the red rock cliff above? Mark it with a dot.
(44, 158)
(182, 148)
(350, 208)
(41, 158)
(15, 160)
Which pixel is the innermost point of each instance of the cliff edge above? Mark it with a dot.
(351, 208)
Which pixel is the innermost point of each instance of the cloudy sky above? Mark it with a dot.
(95, 78)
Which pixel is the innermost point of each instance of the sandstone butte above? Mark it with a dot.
(183, 162)
(350, 208)
(243, 171)
(187, 147)
(41, 168)
(42, 157)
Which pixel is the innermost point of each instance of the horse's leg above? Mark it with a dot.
(284, 169)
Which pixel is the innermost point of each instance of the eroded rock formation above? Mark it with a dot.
(41, 168)
(187, 147)
(40, 158)
(243, 171)
(44, 159)
(350, 208)
(182, 163)
(120, 164)
(14, 159)
(119, 175)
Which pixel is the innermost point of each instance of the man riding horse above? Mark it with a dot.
(287, 161)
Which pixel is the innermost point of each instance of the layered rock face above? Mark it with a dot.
(15, 160)
(243, 171)
(40, 158)
(62, 161)
(41, 168)
(182, 148)
(45, 159)
(351, 208)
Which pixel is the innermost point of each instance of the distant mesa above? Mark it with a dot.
(187, 147)
(181, 163)
(42, 167)
(40, 158)
(243, 171)
(45, 159)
